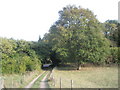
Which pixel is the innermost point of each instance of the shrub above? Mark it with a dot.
(113, 57)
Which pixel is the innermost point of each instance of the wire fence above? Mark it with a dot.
(58, 81)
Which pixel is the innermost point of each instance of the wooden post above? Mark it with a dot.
(71, 84)
(12, 82)
(21, 81)
(60, 83)
(54, 80)
(1, 83)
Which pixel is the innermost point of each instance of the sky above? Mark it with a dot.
(27, 19)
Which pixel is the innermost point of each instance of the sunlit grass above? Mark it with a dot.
(19, 80)
(87, 77)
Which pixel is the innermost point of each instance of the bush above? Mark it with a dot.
(113, 57)
(17, 56)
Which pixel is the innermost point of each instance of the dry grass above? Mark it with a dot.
(19, 81)
(87, 77)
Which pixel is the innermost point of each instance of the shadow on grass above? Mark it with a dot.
(71, 67)
(66, 67)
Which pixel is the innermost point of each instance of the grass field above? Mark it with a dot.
(87, 77)
(19, 81)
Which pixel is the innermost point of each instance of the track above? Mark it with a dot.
(32, 82)
(42, 83)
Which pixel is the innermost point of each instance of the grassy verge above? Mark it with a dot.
(19, 80)
(87, 77)
(37, 82)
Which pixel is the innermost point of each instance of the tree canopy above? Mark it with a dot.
(111, 31)
(77, 37)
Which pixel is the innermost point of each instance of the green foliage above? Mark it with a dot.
(18, 56)
(111, 31)
(77, 37)
(43, 49)
(114, 56)
(7, 47)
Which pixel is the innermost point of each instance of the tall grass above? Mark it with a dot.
(19, 80)
(87, 77)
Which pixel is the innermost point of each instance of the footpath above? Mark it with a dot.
(32, 82)
(44, 82)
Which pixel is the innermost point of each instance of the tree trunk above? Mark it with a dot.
(78, 66)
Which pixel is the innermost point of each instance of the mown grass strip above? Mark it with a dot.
(37, 82)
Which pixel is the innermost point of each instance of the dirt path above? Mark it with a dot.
(44, 82)
(32, 82)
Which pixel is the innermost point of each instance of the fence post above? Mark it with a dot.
(53, 80)
(71, 84)
(1, 83)
(60, 83)
(12, 82)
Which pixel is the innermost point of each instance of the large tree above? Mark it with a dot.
(77, 37)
